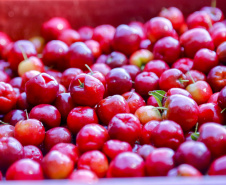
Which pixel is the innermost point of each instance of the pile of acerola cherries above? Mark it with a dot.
(143, 99)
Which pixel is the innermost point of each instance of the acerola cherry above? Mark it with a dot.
(126, 164)
(221, 100)
(6, 131)
(41, 89)
(116, 59)
(218, 167)
(196, 76)
(184, 170)
(33, 152)
(183, 64)
(25, 169)
(29, 132)
(69, 36)
(85, 176)
(57, 165)
(145, 150)
(91, 137)
(14, 116)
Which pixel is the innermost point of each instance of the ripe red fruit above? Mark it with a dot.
(157, 28)
(6, 131)
(7, 97)
(86, 33)
(95, 161)
(11, 150)
(132, 70)
(167, 49)
(126, 39)
(110, 106)
(194, 40)
(181, 109)
(5, 40)
(25, 169)
(79, 117)
(89, 90)
(85, 176)
(124, 127)
(29, 132)
(79, 55)
(33, 152)
(218, 167)
(52, 28)
(56, 135)
(215, 13)
(126, 164)
(196, 76)
(145, 150)
(118, 81)
(213, 136)
(94, 46)
(221, 100)
(183, 64)
(57, 165)
(112, 148)
(91, 137)
(101, 67)
(159, 162)
(116, 59)
(69, 150)
(41, 89)
(69, 36)
(184, 170)
(14, 116)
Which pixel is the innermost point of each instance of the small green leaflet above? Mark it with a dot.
(158, 95)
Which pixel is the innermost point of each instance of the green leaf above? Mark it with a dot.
(158, 95)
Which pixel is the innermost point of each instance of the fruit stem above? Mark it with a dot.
(192, 79)
(161, 108)
(132, 92)
(223, 110)
(181, 81)
(196, 127)
(214, 3)
(160, 94)
(89, 69)
(23, 52)
(81, 84)
(4, 123)
(26, 113)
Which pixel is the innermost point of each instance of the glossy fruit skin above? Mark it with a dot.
(29, 132)
(216, 79)
(25, 169)
(11, 150)
(56, 165)
(200, 91)
(101, 67)
(47, 114)
(52, 28)
(159, 162)
(132, 70)
(145, 150)
(33, 152)
(86, 33)
(5, 40)
(69, 36)
(104, 34)
(213, 136)
(124, 127)
(69, 150)
(91, 137)
(14, 116)
(171, 79)
(79, 117)
(15, 54)
(184, 170)
(145, 82)
(86, 176)
(221, 100)
(134, 101)
(181, 109)
(218, 167)
(213, 98)
(110, 106)
(167, 134)
(175, 16)
(205, 60)
(195, 39)
(55, 53)
(157, 28)
(141, 57)
(26, 77)
(56, 135)
(64, 104)
(126, 164)
(113, 147)
(79, 55)
(156, 66)
(196, 75)
(116, 59)
(183, 64)
(6, 131)
(95, 161)
(94, 46)
(210, 112)
(167, 49)
(221, 49)
(118, 81)
(7, 97)
(126, 39)
(41, 89)
(218, 35)
(215, 13)
(90, 93)
(194, 153)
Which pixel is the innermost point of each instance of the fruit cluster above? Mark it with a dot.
(143, 99)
